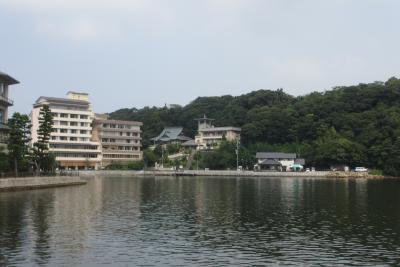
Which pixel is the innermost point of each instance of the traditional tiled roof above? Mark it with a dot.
(171, 134)
(189, 143)
(275, 155)
(270, 162)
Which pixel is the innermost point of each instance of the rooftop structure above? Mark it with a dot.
(204, 122)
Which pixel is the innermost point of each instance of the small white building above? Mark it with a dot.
(277, 161)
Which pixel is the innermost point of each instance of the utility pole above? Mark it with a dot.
(162, 156)
(237, 155)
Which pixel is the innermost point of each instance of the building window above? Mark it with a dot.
(63, 115)
(2, 120)
(73, 116)
(84, 117)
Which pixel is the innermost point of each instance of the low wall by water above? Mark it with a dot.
(203, 173)
(13, 184)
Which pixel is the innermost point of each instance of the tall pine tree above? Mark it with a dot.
(41, 147)
(18, 141)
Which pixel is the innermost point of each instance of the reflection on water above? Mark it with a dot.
(203, 221)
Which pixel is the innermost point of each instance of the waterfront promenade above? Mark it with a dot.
(223, 173)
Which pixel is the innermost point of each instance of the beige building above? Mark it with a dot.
(209, 137)
(120, 140)
(5, 102)
(71, 140)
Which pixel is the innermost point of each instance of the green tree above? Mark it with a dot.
(41, 157)
(4, 162)
(392, 164)
(149, 157)
(18, 141)
(334, 149)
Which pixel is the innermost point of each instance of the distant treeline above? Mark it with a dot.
(353, 125)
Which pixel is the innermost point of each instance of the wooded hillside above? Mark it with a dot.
(355, 125)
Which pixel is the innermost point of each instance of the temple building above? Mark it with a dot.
(209, 137)
(5, 81)
(171, 135)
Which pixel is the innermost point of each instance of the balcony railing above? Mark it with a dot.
(7, 100)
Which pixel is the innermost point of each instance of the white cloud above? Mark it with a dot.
(86, 20)
(54, 5)
(300, 69)
(81, 29)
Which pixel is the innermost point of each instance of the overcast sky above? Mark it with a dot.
(133, 53)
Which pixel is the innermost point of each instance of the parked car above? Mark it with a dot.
(360, 169)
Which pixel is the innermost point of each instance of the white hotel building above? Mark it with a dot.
(71, 139)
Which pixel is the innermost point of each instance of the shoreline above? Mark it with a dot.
(215, 173)
(33, 183)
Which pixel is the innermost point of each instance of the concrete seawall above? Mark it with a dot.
(203, 173)
(14, 184)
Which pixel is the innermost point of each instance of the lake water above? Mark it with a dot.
(203, 222)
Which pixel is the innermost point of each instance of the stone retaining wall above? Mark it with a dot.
(11, 184)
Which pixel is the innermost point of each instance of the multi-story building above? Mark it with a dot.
(71, 139)
(209, 136)
(5, 102)
(120, 140)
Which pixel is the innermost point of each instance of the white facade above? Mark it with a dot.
(208, 138)
(120, 140)
(285, 163)
(70, 140)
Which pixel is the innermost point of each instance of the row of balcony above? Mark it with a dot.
(6, 100)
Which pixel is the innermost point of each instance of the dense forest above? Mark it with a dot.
(353, 125)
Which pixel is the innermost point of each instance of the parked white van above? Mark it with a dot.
(360, 169)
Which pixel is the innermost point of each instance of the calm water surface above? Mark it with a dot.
(203, 222)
